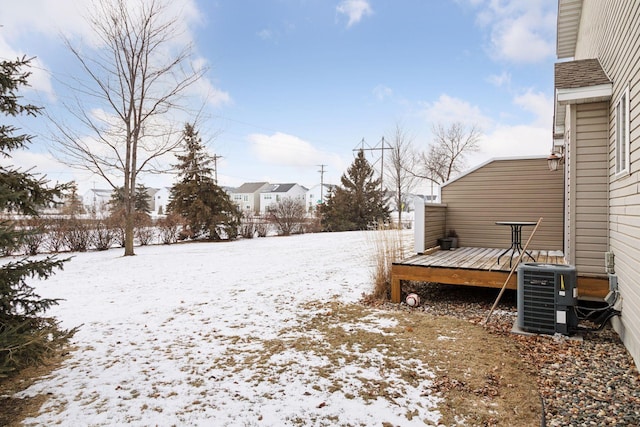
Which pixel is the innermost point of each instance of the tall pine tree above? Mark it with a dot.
(207, 209)
(141, 201)
(358, 203)
(26, 337)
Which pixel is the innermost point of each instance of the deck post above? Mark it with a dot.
(395, 288)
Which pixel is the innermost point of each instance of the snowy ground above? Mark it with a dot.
(176, 334)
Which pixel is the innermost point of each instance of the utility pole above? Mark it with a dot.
(215, 167)
(321, 182)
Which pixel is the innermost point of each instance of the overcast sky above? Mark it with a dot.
(294, 84)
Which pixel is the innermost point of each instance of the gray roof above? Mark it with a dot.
(101, 191)
(279, 188)
(580, 73)
(250, 187)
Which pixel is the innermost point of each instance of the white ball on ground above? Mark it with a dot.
(413, 300)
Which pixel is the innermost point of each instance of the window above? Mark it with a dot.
(622, 133)
(246, 198)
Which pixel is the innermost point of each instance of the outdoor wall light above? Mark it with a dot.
(554, 160)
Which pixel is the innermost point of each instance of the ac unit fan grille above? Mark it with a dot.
(539, 301)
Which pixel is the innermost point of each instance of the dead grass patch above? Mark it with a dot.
(480, 377)
(13, 410)
(403, 357)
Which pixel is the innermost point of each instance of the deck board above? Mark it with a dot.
(477, 258)
(479, 267)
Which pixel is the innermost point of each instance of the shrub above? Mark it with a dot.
(77, 235)
(169, 228)
(34, 236)
(288, 216)
(116, 222)
(145, 235)
(102, 236)
(262, 228)
(55, 235)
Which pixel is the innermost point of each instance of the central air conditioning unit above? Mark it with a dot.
(547, 294)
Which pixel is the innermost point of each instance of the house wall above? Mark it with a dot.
(610, 31)
(245, 201)
(161, 200)
(313, 196)
(587, 165)
(506, 190)
(434, 223)
(297, 192)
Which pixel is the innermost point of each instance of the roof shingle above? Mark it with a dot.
(580, 73)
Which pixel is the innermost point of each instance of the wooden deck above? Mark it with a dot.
(479, 267)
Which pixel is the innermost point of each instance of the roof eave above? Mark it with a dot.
(569, 12)
(579, 95)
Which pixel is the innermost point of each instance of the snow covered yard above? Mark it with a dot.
(252, 332)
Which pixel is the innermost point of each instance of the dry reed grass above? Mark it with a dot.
(389, 246)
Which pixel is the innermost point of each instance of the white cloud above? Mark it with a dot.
(286, 150)
(448, 109)
(44, 164)
(204, 88)
(68, 18)
(519, 31)
(539, 104)
(285, 156)
(500, 80)
(512, 141)
(40, 79)
(355, 10)
(19, 18)
(265, 34)
(499, 139)
(382, 92)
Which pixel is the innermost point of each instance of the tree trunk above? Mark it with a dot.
(129, 200)
(128, 235)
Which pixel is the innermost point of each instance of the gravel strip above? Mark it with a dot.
(587, 382)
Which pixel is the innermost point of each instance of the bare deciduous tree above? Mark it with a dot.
(446, 156)
(288, 215)
(401, 163)
(136, 78)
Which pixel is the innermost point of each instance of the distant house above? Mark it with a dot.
(317, 195)
(597, 116)
(96, 200)
(277, 192)
(159, 199)
(247, 196)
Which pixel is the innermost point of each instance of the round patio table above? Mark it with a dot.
(516, 238)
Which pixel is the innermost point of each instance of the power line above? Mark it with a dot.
(380, 146)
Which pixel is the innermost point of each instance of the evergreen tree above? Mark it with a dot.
(72, 202)
(206, 208)
(140, 204)
(358, 203)
(25, 336)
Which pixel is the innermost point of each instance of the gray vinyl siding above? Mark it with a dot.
(591, 150)
(506, 190)
(435, 223)
(610, 31)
